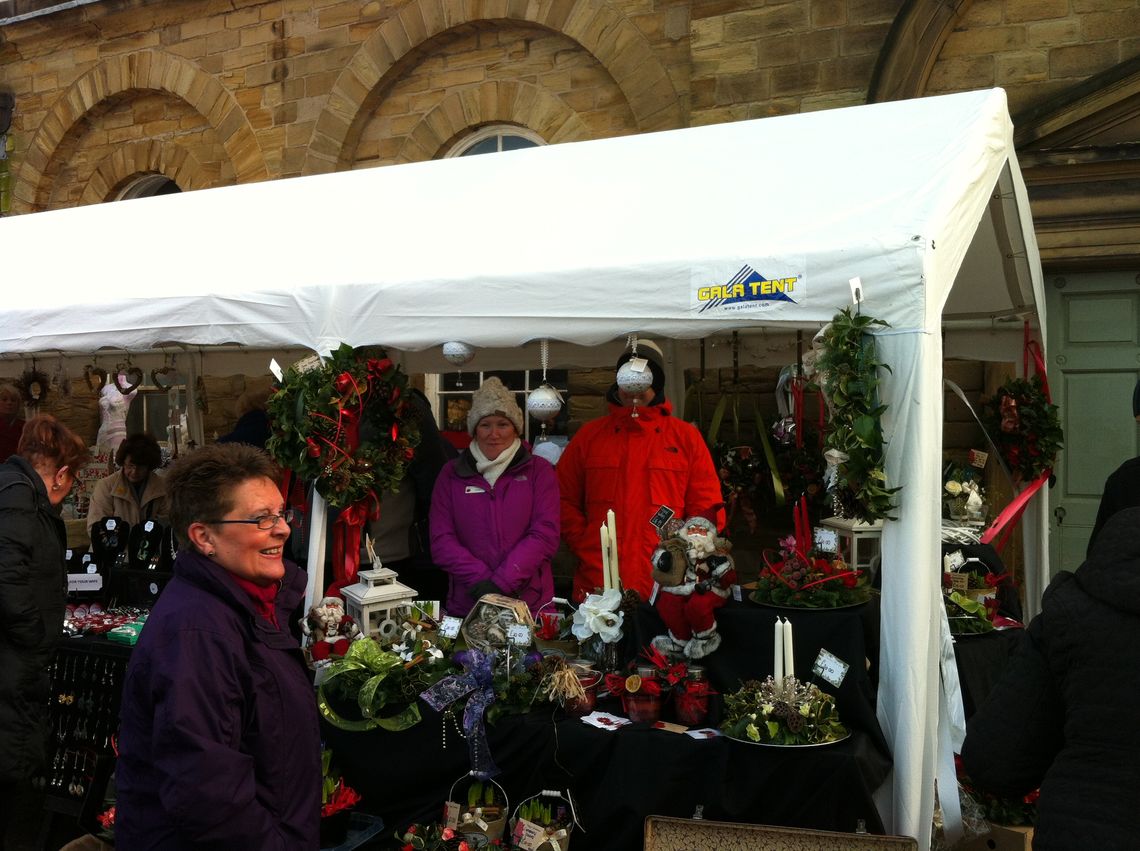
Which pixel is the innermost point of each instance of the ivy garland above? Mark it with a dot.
(849, 368)
(344, 424)
(1024, 426)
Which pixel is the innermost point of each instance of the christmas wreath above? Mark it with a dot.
(344, 424)
(1024, 426)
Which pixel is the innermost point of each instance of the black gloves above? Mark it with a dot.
(485, 587)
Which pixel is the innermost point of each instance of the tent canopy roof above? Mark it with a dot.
(581, 242)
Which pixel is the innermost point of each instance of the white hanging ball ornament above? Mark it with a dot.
(632, 381)
(458, 353)
(543, 403)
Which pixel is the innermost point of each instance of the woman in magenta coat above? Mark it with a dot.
(494, 510)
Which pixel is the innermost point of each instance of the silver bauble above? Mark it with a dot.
(544, 403)
(458, 353)
(633, 382)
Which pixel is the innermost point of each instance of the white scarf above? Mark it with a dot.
(491, 470)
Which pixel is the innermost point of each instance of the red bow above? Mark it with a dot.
(346, 537)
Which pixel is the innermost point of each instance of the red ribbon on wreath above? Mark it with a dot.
(347, 530)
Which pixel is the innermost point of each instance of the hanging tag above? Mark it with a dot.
(978, 458)
(451, 814)
(736, 593)
(856, 290)
(148, 526)
(638, 364)
(111, 524)
(653, 593)
(275, 368)
(519, 633)
(830, 667)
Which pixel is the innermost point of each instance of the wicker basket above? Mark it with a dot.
(535, 837)
(474, 822)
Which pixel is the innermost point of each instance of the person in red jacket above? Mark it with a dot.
(633, 465)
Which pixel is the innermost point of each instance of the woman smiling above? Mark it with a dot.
(219, 745)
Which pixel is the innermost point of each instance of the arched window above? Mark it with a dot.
(149, 185)
(495, 138)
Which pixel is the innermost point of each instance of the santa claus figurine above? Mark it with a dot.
(329, 630)
(695, 574)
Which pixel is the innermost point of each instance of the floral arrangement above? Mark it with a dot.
(344, 424)
(803, 578)
(963, 497)
(335, 794)
(785, 713)
(432, 837)
(597, 624)
(543, 822)
(374, 679)
(966, 615)
(1024, 427)
(854, 442)
(999, 810)
(741, 471)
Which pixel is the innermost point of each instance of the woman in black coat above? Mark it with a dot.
(1063, 716)
(33, 483)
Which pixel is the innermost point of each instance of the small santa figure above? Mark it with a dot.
(329, 630)
(695, 574)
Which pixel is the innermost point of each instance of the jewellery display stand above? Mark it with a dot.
(83, 717)
(136, 560)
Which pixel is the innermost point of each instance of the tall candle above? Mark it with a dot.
(778, 653)
(789, 665)
(605, 536)
(615, 571)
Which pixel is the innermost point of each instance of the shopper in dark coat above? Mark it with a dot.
(33, 483)
(219, 744)
(1063, 717)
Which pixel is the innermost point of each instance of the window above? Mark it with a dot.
(148, 186)
(455, 401)
(496, 138)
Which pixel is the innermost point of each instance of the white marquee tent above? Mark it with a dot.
(681, 235)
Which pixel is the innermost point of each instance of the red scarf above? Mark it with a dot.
(264, 597)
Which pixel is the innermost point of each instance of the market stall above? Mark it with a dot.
(755, 226)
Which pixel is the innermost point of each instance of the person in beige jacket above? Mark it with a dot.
(136, 492)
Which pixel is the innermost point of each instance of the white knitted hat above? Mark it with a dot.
(493, 398)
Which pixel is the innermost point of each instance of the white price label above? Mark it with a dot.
(451, 815)
(148, 526)
(449, 628)
(830, 667)
(111, 524)
(528, 835)
(826, 540)
(519, 633)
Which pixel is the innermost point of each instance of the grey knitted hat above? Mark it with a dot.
(493, 398)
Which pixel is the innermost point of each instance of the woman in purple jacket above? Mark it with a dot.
(219, 745)
(495, 510)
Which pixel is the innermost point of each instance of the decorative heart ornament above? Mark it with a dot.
(95, 376)
(128, 379)
(164, 378)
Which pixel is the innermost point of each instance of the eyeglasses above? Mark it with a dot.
(266, 521)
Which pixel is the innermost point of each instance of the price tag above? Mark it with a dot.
(954, 560)
(638, 364)
(153, 588)
(275, 368)
(449, 628)
(830, 667)
(92, 567)
(451, 814)
(960, 582)
(519, 633)
(111, 524)
(664, 515)
(978, 458)
(148, 526)
(736, 593)
(528, 835)
(84, 582)
(826, 540)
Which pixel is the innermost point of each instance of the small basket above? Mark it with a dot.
(565, 647)
(529, 836)
(473, 822)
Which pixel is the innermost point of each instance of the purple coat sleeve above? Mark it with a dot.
(446, 549)
(535, 549)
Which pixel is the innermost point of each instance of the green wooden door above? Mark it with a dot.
(1094, 360)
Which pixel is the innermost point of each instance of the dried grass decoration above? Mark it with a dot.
(33, 386)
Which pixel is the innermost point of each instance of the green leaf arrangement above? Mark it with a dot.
(850, 368)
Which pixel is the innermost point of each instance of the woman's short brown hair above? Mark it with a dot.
(46, 440)
(200, 486)
(140, 448)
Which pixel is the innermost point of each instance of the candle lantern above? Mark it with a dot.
(860, 543)
(378, 603)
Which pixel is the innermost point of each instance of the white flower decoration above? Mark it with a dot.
(599, 615)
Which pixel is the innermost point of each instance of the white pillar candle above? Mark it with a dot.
(605, 538)
(778, 653)
(789, 665)
(615, 571)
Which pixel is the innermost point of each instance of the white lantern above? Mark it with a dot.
(378, 603)
(544, 403)
(458, 353)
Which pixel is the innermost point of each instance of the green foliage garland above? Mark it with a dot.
(344, 424)
(850, 375)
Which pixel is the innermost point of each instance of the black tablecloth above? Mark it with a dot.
(981, 660)
(618, 778)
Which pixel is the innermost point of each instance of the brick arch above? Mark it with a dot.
(148, 70)
(913, 45)
(510, 102)
(147, 157)
(606, 33)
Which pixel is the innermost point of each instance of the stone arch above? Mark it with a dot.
(510, 102)
(912, 48)
(147, 157)
(605, 32)
(153, 70)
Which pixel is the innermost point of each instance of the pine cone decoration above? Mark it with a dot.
(795, 722)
